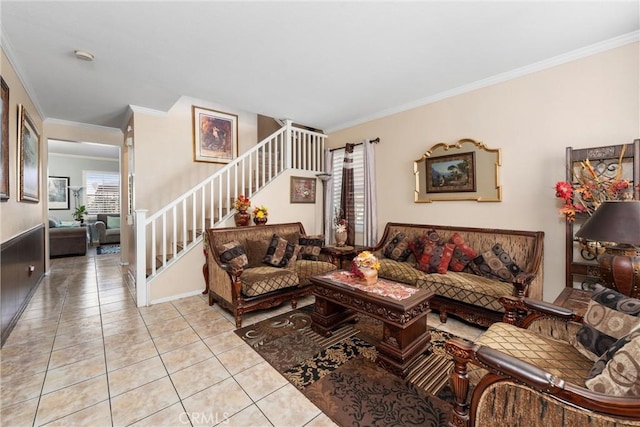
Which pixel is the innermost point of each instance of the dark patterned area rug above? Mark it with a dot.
(340, 376)
(108, 249)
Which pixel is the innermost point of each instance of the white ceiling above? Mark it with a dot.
(323, 64)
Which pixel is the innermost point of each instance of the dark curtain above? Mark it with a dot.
(346, 195)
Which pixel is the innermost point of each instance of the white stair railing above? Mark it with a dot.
(168, 234)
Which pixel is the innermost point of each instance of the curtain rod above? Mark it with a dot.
(372, 141)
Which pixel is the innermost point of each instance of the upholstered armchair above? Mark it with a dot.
(532, 369)
(108, 228)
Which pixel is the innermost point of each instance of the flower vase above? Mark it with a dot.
(370, 275)
(259, 221)
(341, 238)
(242, 218)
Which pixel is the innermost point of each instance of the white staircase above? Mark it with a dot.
(168, 234)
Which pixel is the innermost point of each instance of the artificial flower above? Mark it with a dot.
(260, 211)
(242, 203)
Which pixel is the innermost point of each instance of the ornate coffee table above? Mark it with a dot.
(404, 336)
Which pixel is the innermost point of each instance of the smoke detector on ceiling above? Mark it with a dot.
(84, 55)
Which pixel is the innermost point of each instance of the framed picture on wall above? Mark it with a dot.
(58, 189)
(4, 142)
(454, 173)
(303, 189)
(215, 136)
(28, 157)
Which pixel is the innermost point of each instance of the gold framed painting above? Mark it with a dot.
(28, 157)
(4, 142)
(303, 189)
(215, 136)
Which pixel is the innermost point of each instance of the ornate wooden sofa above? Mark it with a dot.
(465, 294)
(534, 374)
(259, 285)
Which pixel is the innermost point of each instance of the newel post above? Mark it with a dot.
(140, 243)
(288, 144)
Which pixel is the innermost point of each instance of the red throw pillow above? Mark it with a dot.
(462, 254)
(435, 257)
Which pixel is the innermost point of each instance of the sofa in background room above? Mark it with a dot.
(66, 240)
(107, 227)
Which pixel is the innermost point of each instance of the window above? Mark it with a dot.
(102, 192)
(358, 183)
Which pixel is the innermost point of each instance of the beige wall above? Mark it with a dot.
(589, 102)
(18, 217)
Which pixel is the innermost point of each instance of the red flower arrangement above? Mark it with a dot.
(590, 190)
(242, 203)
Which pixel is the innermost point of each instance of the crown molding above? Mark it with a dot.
(574, 55)
(88, 126)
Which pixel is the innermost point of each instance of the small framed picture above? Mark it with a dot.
(303, 189)
(28, 157)
(215, 136)
(58, 192)
(455, 173)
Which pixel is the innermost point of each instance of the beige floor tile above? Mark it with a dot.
(123, 325)
(98, 415)
(126, 339)
(251, 416)
(165, 328)
(74, 373)
(198, 377)
(71, 399)
(136, 375)
(128, 355)
(188, 355)
(142, 402)
(20, 414)
(21, 389)
(114, 316)
(175, 340)
(204, 315)
(79, 325)
(288, 397)
(321, 421)
(116, 298)
(74, 338)
(76, 353)
(189, 304)
(174, 416)
(18, 367)
(212, 328)
(21, 348)
(229, 399)
(260, 380)
(117, 306)
(223, 342)
(239, 359)
(70, 314)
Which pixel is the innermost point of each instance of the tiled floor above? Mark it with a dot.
(83, 354)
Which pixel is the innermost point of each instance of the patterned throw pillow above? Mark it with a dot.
(232, 253)
(495, 264)
(617, 371)
(280, 252)
(310, 246)
(462, 254)
(397, 248)
(610, 316)
(435, 257)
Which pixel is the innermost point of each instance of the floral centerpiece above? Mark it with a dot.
(590, 190)
(260, 214)
(365, 266)
(242, 203)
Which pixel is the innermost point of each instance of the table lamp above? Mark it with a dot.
(616, 224)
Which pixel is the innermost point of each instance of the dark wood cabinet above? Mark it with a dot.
(581, 265)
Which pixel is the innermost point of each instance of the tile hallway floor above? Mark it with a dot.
(83, 354)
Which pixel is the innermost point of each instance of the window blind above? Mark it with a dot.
(358, 183)
(102, 192)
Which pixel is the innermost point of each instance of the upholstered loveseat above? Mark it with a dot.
(66, 240)
(547, 366)
(108, 228)
(257, 267)
(471, 294)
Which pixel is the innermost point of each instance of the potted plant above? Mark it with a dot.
(79, 213)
